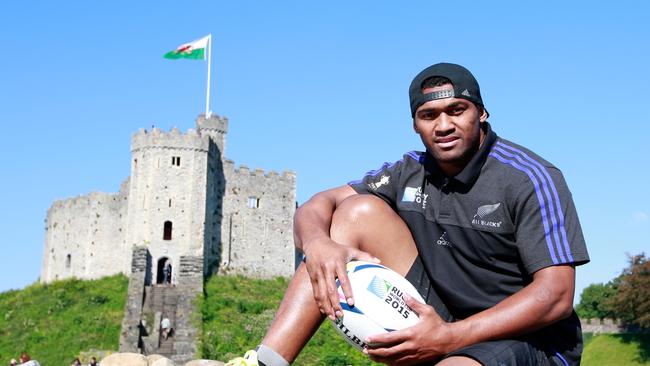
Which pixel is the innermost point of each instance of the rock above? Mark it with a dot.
(124, 359)
(204, 363)
(163, 362)
(153, 358)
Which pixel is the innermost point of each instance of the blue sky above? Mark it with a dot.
(320, 89)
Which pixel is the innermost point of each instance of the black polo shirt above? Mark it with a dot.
(482, 233)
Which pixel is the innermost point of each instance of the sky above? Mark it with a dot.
(320, 88)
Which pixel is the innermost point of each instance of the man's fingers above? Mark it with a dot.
(344, 281)
(387, 339)
(323, 299)
(332, 293)
(363, 256)
(386, 353)
(414, 304)
(319, 285)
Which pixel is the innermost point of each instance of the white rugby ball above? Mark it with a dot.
(379, 306)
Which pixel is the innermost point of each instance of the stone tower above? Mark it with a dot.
(176, 185)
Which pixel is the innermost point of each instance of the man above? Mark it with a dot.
(166, 327)
(485, 229)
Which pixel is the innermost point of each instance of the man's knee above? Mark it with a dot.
(362, 208)
(370, 224)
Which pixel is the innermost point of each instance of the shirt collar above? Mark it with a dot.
(470, 172)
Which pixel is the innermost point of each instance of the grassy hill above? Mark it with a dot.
(236, 312)
(54, 322)
(617, 349)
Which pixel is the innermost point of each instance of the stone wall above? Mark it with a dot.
(597, 326)
(131, 323)
(85, 237)
(257, 231)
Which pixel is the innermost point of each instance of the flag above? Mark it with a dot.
(194, 50)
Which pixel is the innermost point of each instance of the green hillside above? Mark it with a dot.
(617, 349)
(237, 311)
(54, 322)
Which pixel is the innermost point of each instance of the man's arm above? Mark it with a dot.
(326, 259)
(546, 300)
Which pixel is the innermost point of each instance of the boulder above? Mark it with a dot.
(163, 362)
(204, 363)
(153, 358)
(124, 359)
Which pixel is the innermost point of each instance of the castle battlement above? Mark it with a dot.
(214, 123)
(174, 139)
(85, 199)
(244, 170)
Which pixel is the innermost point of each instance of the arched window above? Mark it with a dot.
(167, 231)
(68, 261)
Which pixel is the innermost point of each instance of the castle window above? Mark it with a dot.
(68, 260)
(253, 202)
(167, 231)
(176, 160)
(170, 202)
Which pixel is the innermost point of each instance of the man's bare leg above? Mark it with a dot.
(458, 361)
(363, 221)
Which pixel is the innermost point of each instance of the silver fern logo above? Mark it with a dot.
(484, 211)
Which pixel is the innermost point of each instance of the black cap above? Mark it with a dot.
(465, 85)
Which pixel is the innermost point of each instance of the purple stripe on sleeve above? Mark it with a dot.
(564, 362)
(540, 199)
(565, 241)
(412, 154)
(551, 210)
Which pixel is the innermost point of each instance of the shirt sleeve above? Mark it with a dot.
(382, 182)
(548, 231)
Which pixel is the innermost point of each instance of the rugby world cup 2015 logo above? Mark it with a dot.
(390, 294)
(379, 287)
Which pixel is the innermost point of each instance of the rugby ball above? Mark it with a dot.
(379, 306)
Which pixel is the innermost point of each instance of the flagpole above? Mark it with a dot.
(207, 94)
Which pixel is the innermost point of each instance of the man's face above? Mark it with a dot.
(450, 129)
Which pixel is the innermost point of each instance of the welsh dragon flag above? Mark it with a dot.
(194, 50)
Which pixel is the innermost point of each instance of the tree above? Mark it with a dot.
(632, 301)
(595, 301)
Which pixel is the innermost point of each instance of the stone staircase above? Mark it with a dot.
(161, 301)
(147, 304)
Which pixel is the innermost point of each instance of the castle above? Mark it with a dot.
(183, 199)
(185, 212)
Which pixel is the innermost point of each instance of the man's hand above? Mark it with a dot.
(428, 340)
(326, 262)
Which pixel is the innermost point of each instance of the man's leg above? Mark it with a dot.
(363, 221)
(458, 361)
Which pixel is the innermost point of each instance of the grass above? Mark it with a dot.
(617, 349)
(237, 311)
(55, 322)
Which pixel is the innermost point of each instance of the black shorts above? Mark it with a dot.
(522, 351)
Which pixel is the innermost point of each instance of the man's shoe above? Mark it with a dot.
(249, 359)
